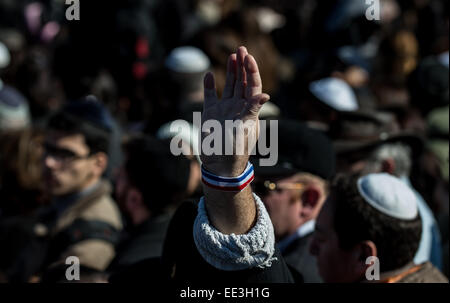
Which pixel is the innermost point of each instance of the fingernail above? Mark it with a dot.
(242, 48)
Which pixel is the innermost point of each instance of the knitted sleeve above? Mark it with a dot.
(235, 252)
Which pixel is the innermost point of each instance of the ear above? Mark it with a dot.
(133, 200)
(362, 251)
(388, 166)
(101, 162)
(311, 197)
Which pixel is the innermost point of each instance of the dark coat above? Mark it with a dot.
(142, 242)
(88, 228)
(182, 263)
(297, 255)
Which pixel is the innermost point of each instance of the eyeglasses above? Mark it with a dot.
(61, 154)
(267, 186)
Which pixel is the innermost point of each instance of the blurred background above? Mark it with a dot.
(322, 62)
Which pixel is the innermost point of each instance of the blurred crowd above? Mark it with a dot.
(86, 109)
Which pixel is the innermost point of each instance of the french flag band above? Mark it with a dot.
(229, 183)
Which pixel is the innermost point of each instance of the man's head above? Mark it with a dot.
(392, 158)
(76, 147)
(325, 98)
(152, 180)
(293, 200)
(187, 66)
(295, 188)
(372, 142)
(375, 215)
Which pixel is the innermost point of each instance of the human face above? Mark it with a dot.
(336, 265)
(68, 165)
(283, 205)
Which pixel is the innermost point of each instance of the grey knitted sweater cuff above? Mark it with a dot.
(235, 252)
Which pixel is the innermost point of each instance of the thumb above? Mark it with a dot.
(256, 102)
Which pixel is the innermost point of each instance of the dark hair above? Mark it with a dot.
(155, 172)
(355, 220)
(20, 171)
(96, 137)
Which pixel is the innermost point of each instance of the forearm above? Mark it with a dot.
(233, 230)
(230, 212)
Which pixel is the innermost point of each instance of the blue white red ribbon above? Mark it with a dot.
(229, 183)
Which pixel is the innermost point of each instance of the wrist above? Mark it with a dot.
(225, 168)
(224, 183)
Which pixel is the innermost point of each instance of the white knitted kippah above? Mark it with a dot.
(335, 93)
(187, 59)
(389, 195)
(235, 252)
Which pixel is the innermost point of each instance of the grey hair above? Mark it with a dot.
(399, 152)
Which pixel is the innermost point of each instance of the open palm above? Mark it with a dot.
(241, 100)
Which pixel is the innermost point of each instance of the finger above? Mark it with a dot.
(256, 102)
(231, 77)
(254, 84)
(240, 73)
(209, 90)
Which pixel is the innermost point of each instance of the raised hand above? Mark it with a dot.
(233, 212)
(242, 99)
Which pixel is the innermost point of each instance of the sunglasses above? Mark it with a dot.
(265, 187)
(62, 154)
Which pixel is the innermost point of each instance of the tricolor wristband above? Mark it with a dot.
(229, 183)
